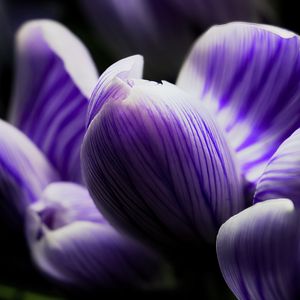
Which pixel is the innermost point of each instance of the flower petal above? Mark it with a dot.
(128, 68)
(54, 78)
(281, 178)
(24, 172)
(156, 164)
(258, 251)
(71, 242)
(248, 76)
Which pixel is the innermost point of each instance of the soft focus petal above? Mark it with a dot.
(281, 178)
(258, 251)
(130, 67)
(162, 30)
(24, 172)
(248, 77)
(156, 164)
(54, 78)
(142, 26)
(71, 242)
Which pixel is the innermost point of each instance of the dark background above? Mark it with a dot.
(18, 278)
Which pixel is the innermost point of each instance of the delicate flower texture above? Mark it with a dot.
(18, 157)
(258, 249)
(68, 237)
(156, 162)
(162, 30)
(54, 78)
(247, 75)
(281, 178)
(72, 242)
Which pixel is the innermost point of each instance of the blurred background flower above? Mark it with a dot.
(163, 30)
(65, 232)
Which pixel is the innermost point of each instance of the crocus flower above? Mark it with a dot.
(258, 249)
(163, 30)
(40, 172)
(170, 163)
(72, 242)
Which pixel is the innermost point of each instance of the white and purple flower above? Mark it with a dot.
(258, 249)
(170, 164)
(40, 175)
(166, 163)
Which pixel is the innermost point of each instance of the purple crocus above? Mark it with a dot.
(153, 27)
(170, 164)
(258, 249)
(40, 176)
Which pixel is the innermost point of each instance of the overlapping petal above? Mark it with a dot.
(24, 172)
(129, 67)
(248, 77)
(281, 178)
(54, 79)
(258, 251)
(71, 242)
(156, 164)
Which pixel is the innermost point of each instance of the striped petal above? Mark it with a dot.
(24, 172)
(248, 77)
(258, 251)
(281, 178)
(71, 242)
(157, 165)
(54, 78)
(129, 67)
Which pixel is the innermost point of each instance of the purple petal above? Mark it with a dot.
(71, 242)
(54, 79)
(281, 178)
(248, 77)
(127, 68)
(24, 171)
(258, 251)
(156, 164)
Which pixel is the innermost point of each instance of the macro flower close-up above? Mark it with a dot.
(41, 179)
(183, 159)
(172, 171)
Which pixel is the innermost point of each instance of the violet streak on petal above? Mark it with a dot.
(71, 242)
(129, 67)
(247, 75)
(258, 251)
(281, 178)
(157, 165)
(54, 79)
(24, 171)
